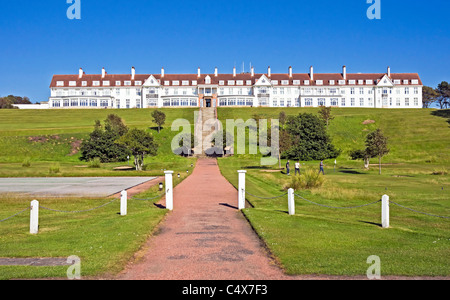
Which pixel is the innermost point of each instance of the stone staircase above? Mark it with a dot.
(205, 126)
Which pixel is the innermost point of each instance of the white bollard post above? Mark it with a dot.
(34, 217)
(123, 203)
(169, 189)
(291, 202)
(385, 211)
(241, 190)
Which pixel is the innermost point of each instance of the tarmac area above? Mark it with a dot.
(69, 186)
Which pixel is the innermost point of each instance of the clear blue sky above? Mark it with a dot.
(38, 40)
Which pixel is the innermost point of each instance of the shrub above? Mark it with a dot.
(309, 139)
(439, 171)
(54, 169)
(308, 179)
(26, 162)
(95, 163)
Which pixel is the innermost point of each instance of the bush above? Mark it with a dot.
(439, 171)
(54, 169)
(308, 179)
(309, 139)
(101, 142)
(26, 162)
(95, 163)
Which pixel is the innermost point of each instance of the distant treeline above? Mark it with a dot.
(8, 101)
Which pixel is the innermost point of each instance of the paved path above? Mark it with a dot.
(205, 236)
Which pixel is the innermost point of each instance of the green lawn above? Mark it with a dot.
(104, 240)
(322, 240)
(317, 240)
(46, 137)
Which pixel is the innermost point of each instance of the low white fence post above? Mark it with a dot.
(169, 189)
(241, 189)
(34, 217)
(123, 203)
(291, 202)
(385, 211)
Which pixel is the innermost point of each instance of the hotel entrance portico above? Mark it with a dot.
(207, 95)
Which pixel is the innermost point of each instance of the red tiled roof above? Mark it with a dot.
(89, 79)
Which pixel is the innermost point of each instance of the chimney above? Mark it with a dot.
(234, 72)
(290, 71)
(162, 72)
(80, 73)
(344, 72)
(268, 71)
(252, 70)
(133, 73)
(103, 73)
(216, 72)
(389, 71)
(311, 72)
(198, 72)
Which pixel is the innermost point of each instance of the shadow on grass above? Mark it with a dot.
(371, 223)
(443, 113)
(155, 128)
(351, 172)
(159, 205)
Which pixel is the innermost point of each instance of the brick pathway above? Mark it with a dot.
(204, 237)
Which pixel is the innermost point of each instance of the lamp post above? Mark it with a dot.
(160, 186)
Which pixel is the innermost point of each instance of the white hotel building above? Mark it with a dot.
(376, 90)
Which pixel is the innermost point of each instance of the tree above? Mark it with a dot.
(101, 142)
(115, 124)
(443, 91)
(282, 119)
(325, 114)
(140, 143)
(361, 154)
(429, 95)
(8, 101)
(309, 139)
(159, 118)
(377, 145)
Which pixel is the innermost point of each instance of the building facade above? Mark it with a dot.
(375, 90)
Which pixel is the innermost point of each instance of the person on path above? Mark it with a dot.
(321, 167)
(297, 168)
(287, 168)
